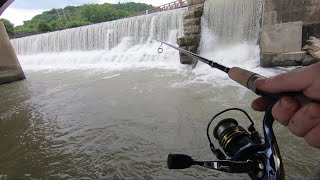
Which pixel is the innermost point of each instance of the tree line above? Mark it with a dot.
(75, 16)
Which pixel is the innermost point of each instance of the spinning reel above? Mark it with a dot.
(242, 150)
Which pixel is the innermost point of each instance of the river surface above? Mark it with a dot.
(122, 124)
(99, 102)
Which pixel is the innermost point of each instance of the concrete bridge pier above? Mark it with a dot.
(10, 69)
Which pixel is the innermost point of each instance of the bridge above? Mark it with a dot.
(166, 7)
(170, 6)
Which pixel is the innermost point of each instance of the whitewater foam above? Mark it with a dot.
(125, 44)
(229, 35)
(108, 77)
(119, 58)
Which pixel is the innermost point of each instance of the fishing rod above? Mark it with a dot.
(242, 150)
(243, 77)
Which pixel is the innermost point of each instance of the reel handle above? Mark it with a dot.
(179, 161)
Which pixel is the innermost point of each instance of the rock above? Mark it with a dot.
(310, 29)
(193, 2)
(308, 60)
(193, 14)
(286, 63)
(190, 30)
(196, 7)
(289, 59)
(191, 48)
(188, 40)
(284, 59)
(184, 59)
(291, 56)
(317, 55)
(267, 59)
(192, 21)
(313, 47)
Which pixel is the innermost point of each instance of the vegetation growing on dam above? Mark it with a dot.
(74, 16)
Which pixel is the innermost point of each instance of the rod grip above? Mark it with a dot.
(240, 75)
(247, 78)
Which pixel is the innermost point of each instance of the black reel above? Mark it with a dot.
(243, 150)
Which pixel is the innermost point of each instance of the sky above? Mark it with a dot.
(22, 10)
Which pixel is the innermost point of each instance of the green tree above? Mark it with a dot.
(56, 25)
(73, 24)
(8, 25)
(43, 27)
(74, 16)
(23, 29)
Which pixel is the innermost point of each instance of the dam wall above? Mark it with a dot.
(285, 11)
(307, 11)
(286, 27)
(281, 28)
(10, 69)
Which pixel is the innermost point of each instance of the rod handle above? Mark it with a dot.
(247, 78)
(240, 75)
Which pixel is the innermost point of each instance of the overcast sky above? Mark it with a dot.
(21, 10)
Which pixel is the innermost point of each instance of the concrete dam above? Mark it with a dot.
(201, 25)
(135, 32)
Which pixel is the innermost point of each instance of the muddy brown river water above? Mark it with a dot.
(84, 124)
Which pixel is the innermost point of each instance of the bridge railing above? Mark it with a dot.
(166, 7)
(170, 6)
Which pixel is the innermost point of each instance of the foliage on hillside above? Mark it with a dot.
(8, 25)
(74, 16)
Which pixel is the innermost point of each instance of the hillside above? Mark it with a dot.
(74, 16)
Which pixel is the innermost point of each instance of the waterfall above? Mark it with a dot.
(233, 20)
(105, 36)
(229, 35)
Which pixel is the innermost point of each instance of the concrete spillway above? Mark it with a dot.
(104, 36)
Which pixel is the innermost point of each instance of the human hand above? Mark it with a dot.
(302, 121)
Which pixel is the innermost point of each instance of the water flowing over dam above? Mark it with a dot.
(233, 21)
(105, 36)
(100, 102)
(121, 43)
(230, 32)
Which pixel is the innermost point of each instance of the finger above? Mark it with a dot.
(312, 137)
(284, 109)
(297, 80)
(259, 104)
(305, 119)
